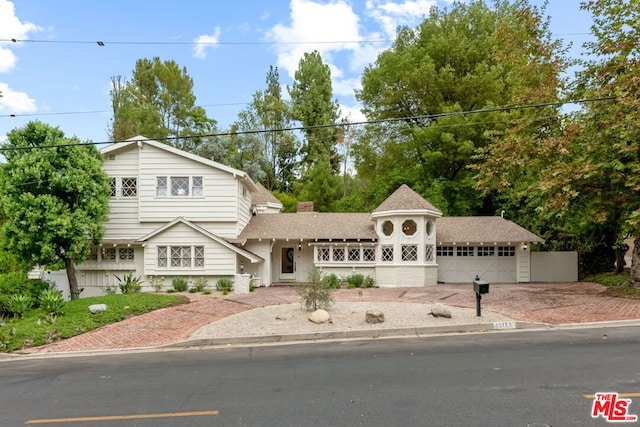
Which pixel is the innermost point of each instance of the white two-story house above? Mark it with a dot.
(175, 214)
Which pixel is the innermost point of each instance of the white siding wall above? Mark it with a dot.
(262, 270)
(244, 207)
(123, 211)
(402, 276)
(218, 260)
(219, 201)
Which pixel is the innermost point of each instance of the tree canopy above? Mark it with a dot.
(54, 195)
(158, 102)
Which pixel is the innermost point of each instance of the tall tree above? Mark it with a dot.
(267, 113)
(451, 64)
(158, 102)
(314, 107)
(597, 165)
(55, 196)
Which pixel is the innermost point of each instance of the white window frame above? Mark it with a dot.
(180, 257)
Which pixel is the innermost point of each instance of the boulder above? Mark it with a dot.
(97, 308)
(374, 316)
(319, 316)
(440, 310)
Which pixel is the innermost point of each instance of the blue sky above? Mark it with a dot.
(67, 84)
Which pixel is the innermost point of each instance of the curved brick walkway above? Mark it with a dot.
(546, 303)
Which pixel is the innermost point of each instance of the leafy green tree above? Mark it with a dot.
(55, 197)
(322, 186)
(451, 64)
(597, 164)
(158, 102)
(266, 113)
(314, 107)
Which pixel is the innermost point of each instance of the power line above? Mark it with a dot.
(102, 111)
(103, 43)
(425, 117)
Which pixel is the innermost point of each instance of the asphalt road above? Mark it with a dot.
(497, 379)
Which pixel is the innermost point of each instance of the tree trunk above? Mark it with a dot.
(620, 262)
(634, 271)
(71, 277)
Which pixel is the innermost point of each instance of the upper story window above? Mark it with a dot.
(387, 228)
(179, 186)
(429, 229)
(409, 227)
(113, 188)
(129, 187)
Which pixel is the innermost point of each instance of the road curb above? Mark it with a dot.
(359, 334)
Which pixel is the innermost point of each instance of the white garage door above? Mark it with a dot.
(495, 264)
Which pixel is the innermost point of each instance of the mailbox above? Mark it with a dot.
(480, 286)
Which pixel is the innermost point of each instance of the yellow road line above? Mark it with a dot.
(593, 396)
(122, 417)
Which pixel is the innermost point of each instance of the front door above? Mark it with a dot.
(287, 263)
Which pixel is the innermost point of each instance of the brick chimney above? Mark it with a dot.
(304, 207)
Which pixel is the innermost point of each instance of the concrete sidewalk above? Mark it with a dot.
(548, 304)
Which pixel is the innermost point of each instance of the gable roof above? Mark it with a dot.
(486, 229)
(262, 196)
(180, 220)
(405, 199)
(309, 226)
(138, 140)
(353, 226)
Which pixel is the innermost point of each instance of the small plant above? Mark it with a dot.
(355, 281)
(224, 285)
(331, 281)
(130, 284)
(369, 282)
(156, 283)
(315, 294)
(206, 292)
(179, 284)
(51, 302)
(18, 305)
(199, 285)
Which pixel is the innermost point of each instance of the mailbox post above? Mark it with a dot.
(479, 287)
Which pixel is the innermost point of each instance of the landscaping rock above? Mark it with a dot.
(319, 316)
(440, 310)
(374, 316)
(97, 308)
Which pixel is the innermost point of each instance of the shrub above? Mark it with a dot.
(179, 284)
(51, 301)
(315, 293)
(199, 285)
(156, 283)
(225, 285)
(130, 284)
(369, 282)
(18, 283)
(355, 280)
(331, 281)
(19, 304)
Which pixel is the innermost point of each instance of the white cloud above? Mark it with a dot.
(11, 28)
(15, 101)
(204, 41)
(390, 14)
(307, 31)
(346, 87)
(352, 114)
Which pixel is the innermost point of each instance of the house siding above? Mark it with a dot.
(219, 189)
(410, 276)
(244, 207)
(218, 260)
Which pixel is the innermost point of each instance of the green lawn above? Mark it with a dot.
(37, 328)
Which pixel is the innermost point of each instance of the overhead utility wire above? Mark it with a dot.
(102, 111)
(103, 43)
(335, 125)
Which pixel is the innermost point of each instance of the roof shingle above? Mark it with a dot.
(404, 198)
